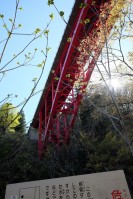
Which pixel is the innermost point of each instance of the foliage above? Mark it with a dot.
(95, 146)
(50, 2)
(25, 55)
(18, 161)
(101, 133)
(22, 126)
(103, 136)
(9, 118)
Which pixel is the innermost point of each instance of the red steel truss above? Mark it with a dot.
(58, 106)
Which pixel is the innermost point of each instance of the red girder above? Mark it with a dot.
(58, 107)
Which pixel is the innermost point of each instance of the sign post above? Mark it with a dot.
(106, 185)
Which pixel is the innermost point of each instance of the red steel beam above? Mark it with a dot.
(58, 107)
(40, 135)
(66, 63)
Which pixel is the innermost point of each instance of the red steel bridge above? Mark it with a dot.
(71, 71)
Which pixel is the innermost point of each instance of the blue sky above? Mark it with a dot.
(35, 14)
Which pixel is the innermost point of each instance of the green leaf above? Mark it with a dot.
(9, 33)
(51, 16)
(4, 25)
(39, 65)
(34, 79)
(61, 13)
(86, 21)
(37, 31)
(48, 49)
(93, 2)
(10, 20)
(20, 8)
(83, 5)
(19, 25)
(68, 75)
(46, 32)
(50, 2)
(69, 39)
(56, 78)
(1, 16)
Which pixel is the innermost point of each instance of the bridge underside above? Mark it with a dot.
(74, 63)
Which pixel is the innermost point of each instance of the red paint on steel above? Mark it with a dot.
(60, 101)
(40, 135)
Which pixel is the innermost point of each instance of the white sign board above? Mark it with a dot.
(106, 185)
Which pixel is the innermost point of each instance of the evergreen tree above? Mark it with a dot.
(22, 126)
